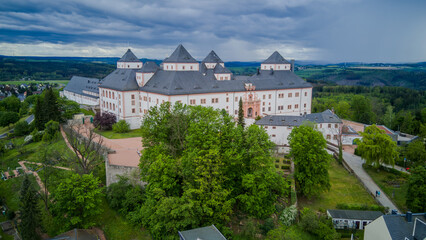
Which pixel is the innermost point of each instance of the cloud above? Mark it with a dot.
(335, 30)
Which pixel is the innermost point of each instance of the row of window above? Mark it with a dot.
(330, 125)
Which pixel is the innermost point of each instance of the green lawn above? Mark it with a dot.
(9, 191)
(115, 227)
(87, 112)
(345, 188)
(113, 135)
(394, 185)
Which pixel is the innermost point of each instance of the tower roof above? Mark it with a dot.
(180, 55)
(149, 67)
(220, 69)
(212, 58)
(276, 58)
(129, 57)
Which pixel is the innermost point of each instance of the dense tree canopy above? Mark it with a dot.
(416, 193)
(200, 168)
(376, 147)
(30, 213)
(311, 160)
(7, 118)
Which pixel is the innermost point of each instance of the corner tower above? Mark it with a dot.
(129, 61)
(180, 60)
(275, 62)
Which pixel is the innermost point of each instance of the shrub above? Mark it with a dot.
(267, 226)
(51, 131)
(104, 121)
(37, 135)
(321, 226)
(121, 127)
(22, 128)
(288, 216)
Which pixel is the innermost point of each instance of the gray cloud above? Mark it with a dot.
(333, 30)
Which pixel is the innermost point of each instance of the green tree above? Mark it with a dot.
(200, 166)
(343, 110)
(241, 113)
(51, 131)
(12, 104)
(376, 147)
(308, 149)
(24, 109)
(416, 152)
(39, 116)
(409, 123)
(30, 213)
(361, 109)
(51, 106)
(7, 118)
(121, 127)
(389, 117)
(22, 128)
(416, 193)
(77, 200)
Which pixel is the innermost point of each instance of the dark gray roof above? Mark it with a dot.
(180, 55)
(191, 82)
(294, 121)
(219, 69)
(149, 67)
(121, 79)
(354, 214)
(204, 233)
(275, 58)
(78, 84)
(420, 230)
(212, 58)
(129, 57)
(399, 228)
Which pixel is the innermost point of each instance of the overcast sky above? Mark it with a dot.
(323, 30)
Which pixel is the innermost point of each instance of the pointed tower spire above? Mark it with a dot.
(180, 55)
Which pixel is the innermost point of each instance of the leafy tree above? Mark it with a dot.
(416, 193)
(321, 226)
(200, 166)
(30, 213)
(51, 106)
(416, 152)
(77, 200)
(389, 117)
(361, 109)
(308, 149)
(12, 104)
(7, 118)
(343, 110)
(68, 108)
(51, 131)
(241, 113)
(24, 109)
(121, 127)
(376, 147)
(104, 121)
(22, 128)
(408, 123)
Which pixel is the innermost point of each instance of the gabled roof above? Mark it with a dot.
(78, 84)
(121, 80)
(180, 55)
(129, 57)
(212, 58)
(203, 233)
(293, 121)
(354, 214)
(149, 67)
(219, 69)
(275, 58)
(399, 228)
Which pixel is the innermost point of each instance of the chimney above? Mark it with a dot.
(394, 212)
(292, 65)
(409, 216)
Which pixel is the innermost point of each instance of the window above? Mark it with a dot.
(297, 94)
(157, 100)
(192, 101)
(236, 112)
(266, 127)
(190, 67)
(215, 100)
(236, 99)
(280, 107)
(133, 110)
(328, 136)
(270, 96)
(269, 108)
(281, 95)
(289, 107)
(113, 106)
(335, 125)
(113, 95)
(133, 96)
(227, 99)
(149, 99)
(304, 105)
(183, 67)
(321, 125)
(264, 96)
(329, 125)
(290, 94)
(335, 137)
(140, 110)
(273, 135)
(145, 111)
(274, 127)
(203, 101)
(296, 106)
(133, 102)
(109, 94)
(263, 103)
(306, 94)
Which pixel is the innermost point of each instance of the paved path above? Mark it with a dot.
(355, 163)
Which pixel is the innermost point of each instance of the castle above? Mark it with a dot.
(134, 87)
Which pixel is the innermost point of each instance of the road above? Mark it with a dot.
(29, 120)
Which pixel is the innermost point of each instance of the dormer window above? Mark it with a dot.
(183, 67)
(190, 67)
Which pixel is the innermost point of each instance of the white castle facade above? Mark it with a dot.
(134, 87)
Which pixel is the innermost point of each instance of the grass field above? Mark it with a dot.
(345, 188)
(394, 185)
(113, 135)
(36, 81)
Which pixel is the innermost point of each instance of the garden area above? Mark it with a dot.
(116, 135)
(345, 189)
(394, 183)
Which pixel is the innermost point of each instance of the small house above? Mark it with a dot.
(352, 219)
(205, 233)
